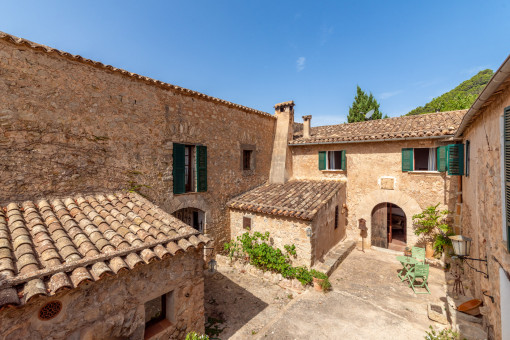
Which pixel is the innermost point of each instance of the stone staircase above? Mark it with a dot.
(335, 256)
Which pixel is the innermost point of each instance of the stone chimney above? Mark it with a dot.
(281, 160)
(307, 120)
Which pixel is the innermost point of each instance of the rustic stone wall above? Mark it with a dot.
(324, 234)
(374, 175)
(282, 230)
(113, 308)
(481, 208)
(69, 127)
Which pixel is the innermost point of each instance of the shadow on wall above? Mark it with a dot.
(228, 306)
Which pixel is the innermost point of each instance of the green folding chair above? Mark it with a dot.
(418, 254)
(420, 272)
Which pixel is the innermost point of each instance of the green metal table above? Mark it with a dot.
(407, 264)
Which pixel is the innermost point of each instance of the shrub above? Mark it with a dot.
(444, 334)
(431, 225)
(266, 257)
(196, 336)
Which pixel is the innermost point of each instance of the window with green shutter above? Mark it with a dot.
(332, 160)
(442, 158)
(322, 160)
(456, 159)
(201, 168)
(178, 169)
(407, 159)
(189, 168)
(506, 172)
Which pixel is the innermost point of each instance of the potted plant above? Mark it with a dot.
(431, 225)
(320, 281)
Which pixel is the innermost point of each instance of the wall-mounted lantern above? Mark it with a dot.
(461, 247)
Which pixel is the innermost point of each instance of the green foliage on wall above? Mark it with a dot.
(461, 97)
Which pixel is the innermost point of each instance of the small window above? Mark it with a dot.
(247, 164)
(246, 223)
(158, 314)
(425, 159)
(335, 160)
(155, 310)
(336, 217)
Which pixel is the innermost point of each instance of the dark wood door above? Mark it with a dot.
(379, 226)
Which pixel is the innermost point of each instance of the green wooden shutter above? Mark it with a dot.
(442, 158)
(322, 160)
(344, 161)
(178, 169)
(456, 159)
(468, 147)
(506, 150)
(407, 159)
(201, 168)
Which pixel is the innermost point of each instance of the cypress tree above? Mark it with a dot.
(361, 105)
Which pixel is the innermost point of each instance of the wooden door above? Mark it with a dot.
(379, 226)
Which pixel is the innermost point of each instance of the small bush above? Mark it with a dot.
(444, 334)
(266, 257)
(196, 336)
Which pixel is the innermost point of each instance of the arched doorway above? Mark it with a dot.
(192, 216)
(389, 227)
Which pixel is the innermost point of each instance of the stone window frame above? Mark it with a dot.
(154, 329)
(252, 148)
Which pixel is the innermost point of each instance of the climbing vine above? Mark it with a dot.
(255, 249)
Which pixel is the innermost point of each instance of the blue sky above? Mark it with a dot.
(259, 53)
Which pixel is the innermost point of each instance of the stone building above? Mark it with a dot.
(307, 214)
(98, 267)
(485, 199)
(392, 168)
(73, 125)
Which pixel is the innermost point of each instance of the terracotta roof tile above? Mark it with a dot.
(23, 42)
(46, 247)
(298, 199)
(425, 125)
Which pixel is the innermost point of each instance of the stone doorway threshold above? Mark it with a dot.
(335, 256)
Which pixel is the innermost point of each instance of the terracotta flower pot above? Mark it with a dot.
(317, 284)
(429, 250)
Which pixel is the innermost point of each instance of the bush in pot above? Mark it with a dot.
(431, 225)
(320, 281)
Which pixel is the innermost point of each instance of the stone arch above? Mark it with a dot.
(404, 201)
(192, 201)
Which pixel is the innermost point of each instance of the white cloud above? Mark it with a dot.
(300, 64)
(386, 95)
(326, 32)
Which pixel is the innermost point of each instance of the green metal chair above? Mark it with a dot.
(418, 254)
(420, 272)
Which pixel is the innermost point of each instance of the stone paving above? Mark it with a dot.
(368, 301)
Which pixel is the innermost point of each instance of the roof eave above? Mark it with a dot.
(374, 140)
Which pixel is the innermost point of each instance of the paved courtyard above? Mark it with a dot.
(368, 301)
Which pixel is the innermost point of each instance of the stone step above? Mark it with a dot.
(335, 256)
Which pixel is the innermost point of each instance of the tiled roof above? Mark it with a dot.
(44, 48)
(298, 199)
(424, 125)
(49, 246)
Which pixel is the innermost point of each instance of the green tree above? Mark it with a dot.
(361, 105)
(461, 97)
